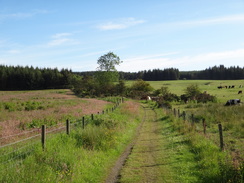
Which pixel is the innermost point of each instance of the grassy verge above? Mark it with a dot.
(83, 156)
(209, 163)
(181, 155)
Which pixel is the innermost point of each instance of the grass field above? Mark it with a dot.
(231, 117)
(26, 110)
(177, 87)
(87, 155)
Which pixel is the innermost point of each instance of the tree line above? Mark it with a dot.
(212, 73)
(30, 78)
(215, 73)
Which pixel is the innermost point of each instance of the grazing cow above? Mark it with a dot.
(240, 92)
(149, 98)
(184, 98)
(155, 99)
(220, 87)
(233, 102)
(233, 86)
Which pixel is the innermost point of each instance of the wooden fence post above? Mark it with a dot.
(178, 113)
(43, 137)
(174, 112)
(83, 122)
(192, 120)
(67, 127)
(184, 115)
(204, 126)
(92, 117)
(221, 137)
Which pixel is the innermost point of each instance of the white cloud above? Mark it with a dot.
(57, 42)
(21, 15)
(62, 39)
(14, 51)
(147, 62)
(60, 35)
(217, 20)
(185, 62)
(120, 24)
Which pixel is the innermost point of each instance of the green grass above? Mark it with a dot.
(83, 156)
(178, 87)
(197, 158)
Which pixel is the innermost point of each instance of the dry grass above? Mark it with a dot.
(56, 105)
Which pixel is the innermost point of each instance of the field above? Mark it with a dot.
(26, 110)
(178, 86)
(231, 117)
(87, 155)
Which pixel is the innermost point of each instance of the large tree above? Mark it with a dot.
(107, 74)
(108, 62)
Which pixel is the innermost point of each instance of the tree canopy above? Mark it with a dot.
(108, 62)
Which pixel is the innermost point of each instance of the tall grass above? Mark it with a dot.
(86, 155)
(213, 165)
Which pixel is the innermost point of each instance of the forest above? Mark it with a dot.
(30, 78)
(212, 73)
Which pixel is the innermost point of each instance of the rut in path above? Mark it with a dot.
(147, 160)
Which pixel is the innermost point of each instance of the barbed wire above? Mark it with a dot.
(56, 129)
(20, 141)
(16, 156)
(18, 134)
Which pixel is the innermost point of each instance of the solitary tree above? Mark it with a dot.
(108, 62)
(107, 73)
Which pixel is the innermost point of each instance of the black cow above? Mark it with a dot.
(240, 92)
(233, 102)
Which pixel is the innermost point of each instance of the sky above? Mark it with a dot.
(156, 34)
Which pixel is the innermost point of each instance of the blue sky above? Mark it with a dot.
(155, 34)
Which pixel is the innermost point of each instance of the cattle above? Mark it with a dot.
(233, 102)
(233, 86)
(220, 87)
(184, 98)
(146, 98)
(155, 99)
(240, 92)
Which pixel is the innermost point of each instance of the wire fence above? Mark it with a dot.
(14, 149)
(214, 132)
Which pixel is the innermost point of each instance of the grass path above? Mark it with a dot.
(148, 161)
(159, 154)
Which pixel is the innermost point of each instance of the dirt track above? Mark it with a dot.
(144, 159)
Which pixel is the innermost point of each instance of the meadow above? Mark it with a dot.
(178, 86)
(231, 117)
(87, 155)
(27, 110)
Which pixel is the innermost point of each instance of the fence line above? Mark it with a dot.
(18, 134)
(191, 118)
(16, 156)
